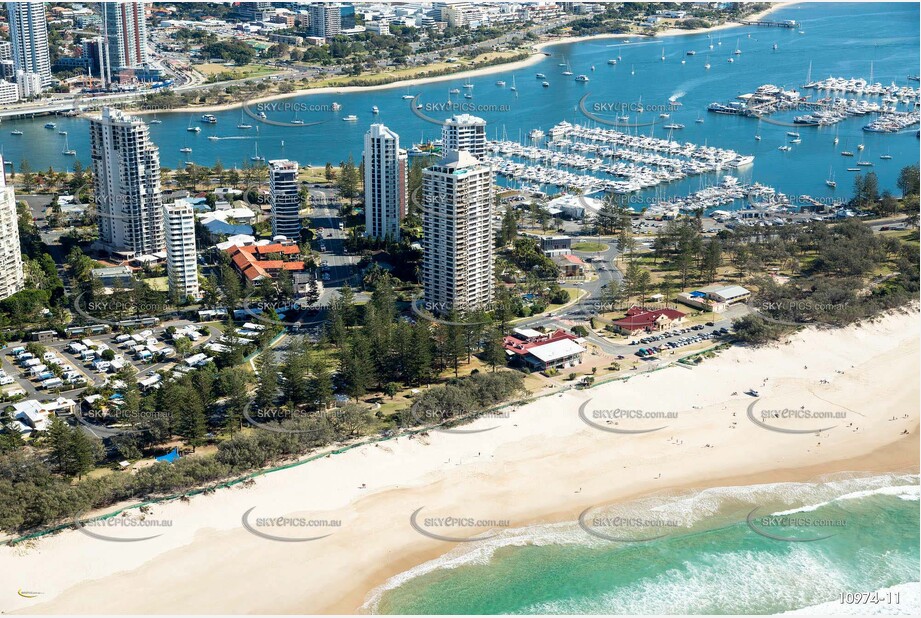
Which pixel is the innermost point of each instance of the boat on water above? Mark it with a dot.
(885, 157)
(831, 179)
(539, 76)
(847, 153)
(243, 124)
(68, 151)
(513, 88)
(546, 84)
(674, 125)
(796, 140)
(375, 110)
(568, 70)
(612, 61)
(500, 83)
(582, 78)
(454, 91)
(785, 148)
(860, 146)
(62, 132)
(209, 119)
(256, 156)
(865, 163)
(536, 134)
(792, 133)
(50, 125)
(407, 97)
(738, 50)
(691, 53)
(154, 121)
(468, 96)
(185, 149)
(699, 120)
(262, 115)
(731, 60)
(775, 47)
(853, 169)
(425, 149)
(17, 132)
(707, 66)
(350, 118)
(468, 86)
(664, 115)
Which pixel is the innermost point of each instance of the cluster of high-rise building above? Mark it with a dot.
(118, 54)
(457, 202)
(131, 216)
(28, 68)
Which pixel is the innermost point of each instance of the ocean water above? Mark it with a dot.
(854, 535)
(878, 40)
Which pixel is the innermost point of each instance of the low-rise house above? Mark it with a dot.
(539, 351)
(640, 320)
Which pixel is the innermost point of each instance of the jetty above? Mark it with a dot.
(786, 23)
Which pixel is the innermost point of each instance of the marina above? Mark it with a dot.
(534, 105)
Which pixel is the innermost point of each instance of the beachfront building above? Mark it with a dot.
(11, 273)
(458, 253)
(126, 179)
(526, 347)
(465, 132)
(125, 39)
(181, 253)
(639, 320)
(285, 200)
(716, 298)
(385, 183)
(29, 39)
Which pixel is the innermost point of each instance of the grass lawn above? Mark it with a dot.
(158, 284)
(586, 245)
(250, 70)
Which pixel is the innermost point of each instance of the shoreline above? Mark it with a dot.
(897, 459)
(535, 57)
(540, 465)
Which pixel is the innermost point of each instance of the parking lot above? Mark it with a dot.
(64, 366)
(678, 338)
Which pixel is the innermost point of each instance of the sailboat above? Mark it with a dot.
(256, 156)
(192, 129)
(758, 131)
(155, 120)
(831, 179)
(700, 119)
(568, 70)
(738, 50)
(243, 124)
(513, 87)
(296, 120)
(468, 85)
(67, 150)
(885, 157)
(707, 66)
(835, 141)
(632, 70)
(663, 54)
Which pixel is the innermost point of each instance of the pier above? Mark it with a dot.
(787, 23)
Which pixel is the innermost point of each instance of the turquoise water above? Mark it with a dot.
(709, 562)
(843, 39)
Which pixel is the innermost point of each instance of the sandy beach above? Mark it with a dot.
(539, 464)
(510, 66)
